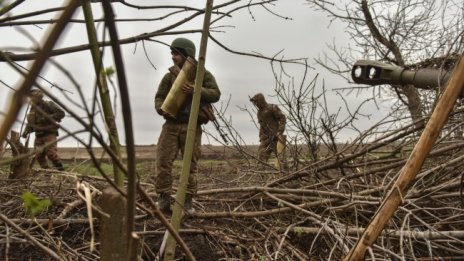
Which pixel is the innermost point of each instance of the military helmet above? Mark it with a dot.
(36, 94)
(185, 46)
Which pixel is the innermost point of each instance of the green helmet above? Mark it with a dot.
(36, 95)
(185, 46)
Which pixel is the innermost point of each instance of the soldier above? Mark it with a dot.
(271, 128)
(174, 131)
(43, 119)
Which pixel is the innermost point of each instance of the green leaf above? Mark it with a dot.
(109, 71)
(298, 231)
(34, 205)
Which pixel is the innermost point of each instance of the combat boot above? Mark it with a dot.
(164, 202)
(59, 166)
(188, 205)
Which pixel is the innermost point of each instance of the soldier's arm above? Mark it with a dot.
(281, 119)
(210, 92)
(56, 112)
(31, 121)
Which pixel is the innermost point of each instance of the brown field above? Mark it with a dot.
(148, 152)
(145, 152)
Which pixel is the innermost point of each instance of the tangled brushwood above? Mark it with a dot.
(314, 210)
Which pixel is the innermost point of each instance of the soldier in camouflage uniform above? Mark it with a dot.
(271, 128)
(43, 119)
(174, 131)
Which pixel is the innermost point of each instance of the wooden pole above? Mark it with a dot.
(413, 165)
(113, 238)
(127, 119)
(169, 252)
(102, 85)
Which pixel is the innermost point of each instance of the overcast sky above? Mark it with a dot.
(304, 35)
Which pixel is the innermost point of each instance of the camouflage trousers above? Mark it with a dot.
(172, 139)
(46, 147)
(266, 148)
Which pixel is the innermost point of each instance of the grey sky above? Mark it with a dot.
(305, 35)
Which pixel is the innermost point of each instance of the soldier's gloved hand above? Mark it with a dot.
(187, 88)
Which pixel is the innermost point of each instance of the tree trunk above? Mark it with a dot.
(19, 168)
(414, 103)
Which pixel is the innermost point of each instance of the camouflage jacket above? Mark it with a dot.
(44, 118)
(271, 119)
(210, 93)
(271, 122)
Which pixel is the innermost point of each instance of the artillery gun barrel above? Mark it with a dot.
(376, 73)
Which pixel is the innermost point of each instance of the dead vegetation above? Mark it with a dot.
(247, 211)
